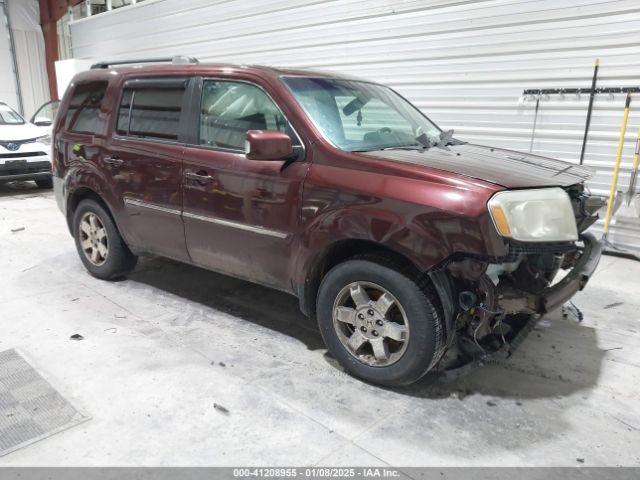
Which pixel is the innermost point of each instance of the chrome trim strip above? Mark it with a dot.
(218, 221)
(241, 226)
(151, 206)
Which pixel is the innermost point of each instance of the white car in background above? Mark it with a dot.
(25, 147)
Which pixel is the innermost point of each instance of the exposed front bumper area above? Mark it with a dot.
(557, 295)
(494, 304)
(514, 300)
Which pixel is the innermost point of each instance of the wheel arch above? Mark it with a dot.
(340, 251)
(83, 193)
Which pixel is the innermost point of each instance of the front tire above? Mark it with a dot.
(100, 246)
(381, 325)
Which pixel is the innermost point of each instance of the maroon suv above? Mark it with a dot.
(414, 250)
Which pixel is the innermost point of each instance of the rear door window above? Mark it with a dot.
(83, 113)
(150, 112)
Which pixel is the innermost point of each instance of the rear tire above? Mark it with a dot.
(100, 246)
(44, 183)
(397, 316)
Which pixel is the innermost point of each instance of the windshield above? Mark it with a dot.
(362, 116)
(8, 116)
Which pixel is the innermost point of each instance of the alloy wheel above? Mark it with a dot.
(93, 239)
(371, 324)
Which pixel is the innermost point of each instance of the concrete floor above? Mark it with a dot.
(166, 348)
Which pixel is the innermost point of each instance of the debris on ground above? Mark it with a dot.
(221, 408)
(491, 404)
(75, 299)
(111, 330)
(612, 305)
(613, 348)
(76, 336)
(222, 364)
(570, 308)
(19, 229)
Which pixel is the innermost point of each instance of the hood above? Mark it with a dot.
(26, 131)
(507, 168)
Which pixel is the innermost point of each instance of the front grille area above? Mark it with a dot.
(24, 167)
(517, 248)
(22, 155)
(6, 143)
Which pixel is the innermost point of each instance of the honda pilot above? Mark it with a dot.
(414, 250)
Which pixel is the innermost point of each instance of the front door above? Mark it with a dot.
(144, 158)
(240, 215)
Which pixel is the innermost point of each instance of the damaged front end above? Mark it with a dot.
(494, 301)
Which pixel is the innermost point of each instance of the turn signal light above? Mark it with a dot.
(500, 219)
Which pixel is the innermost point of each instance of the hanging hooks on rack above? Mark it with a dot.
(544, 93)
(579, 91)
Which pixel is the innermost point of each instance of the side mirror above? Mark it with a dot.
(42, 122)
(267, 145)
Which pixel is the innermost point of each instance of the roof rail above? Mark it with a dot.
(178, 59)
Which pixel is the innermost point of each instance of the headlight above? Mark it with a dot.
(46, 139)
(541, 215)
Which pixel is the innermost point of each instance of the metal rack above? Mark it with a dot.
(178, 60)
(578, 91)
(592, 92)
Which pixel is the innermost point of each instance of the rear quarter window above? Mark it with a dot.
(83, 113)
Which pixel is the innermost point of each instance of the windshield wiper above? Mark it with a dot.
(424, 140)
(444, 139)
(394, 147)
(405, 147)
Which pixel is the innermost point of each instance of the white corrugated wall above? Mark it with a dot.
(8, 90)
(463, 62)
(30, 56)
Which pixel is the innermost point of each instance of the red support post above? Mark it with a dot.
(50, 12)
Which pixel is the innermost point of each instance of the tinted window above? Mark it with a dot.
(122, 126)
(150, 112)
(83, 114)
(230, 109)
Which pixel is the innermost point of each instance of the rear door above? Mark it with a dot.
(79, 141)
(144, 158)
(240, 215)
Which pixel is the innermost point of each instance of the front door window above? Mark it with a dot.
(230, 109)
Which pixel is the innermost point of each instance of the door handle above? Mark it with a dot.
(114, 161)
(200, 177)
